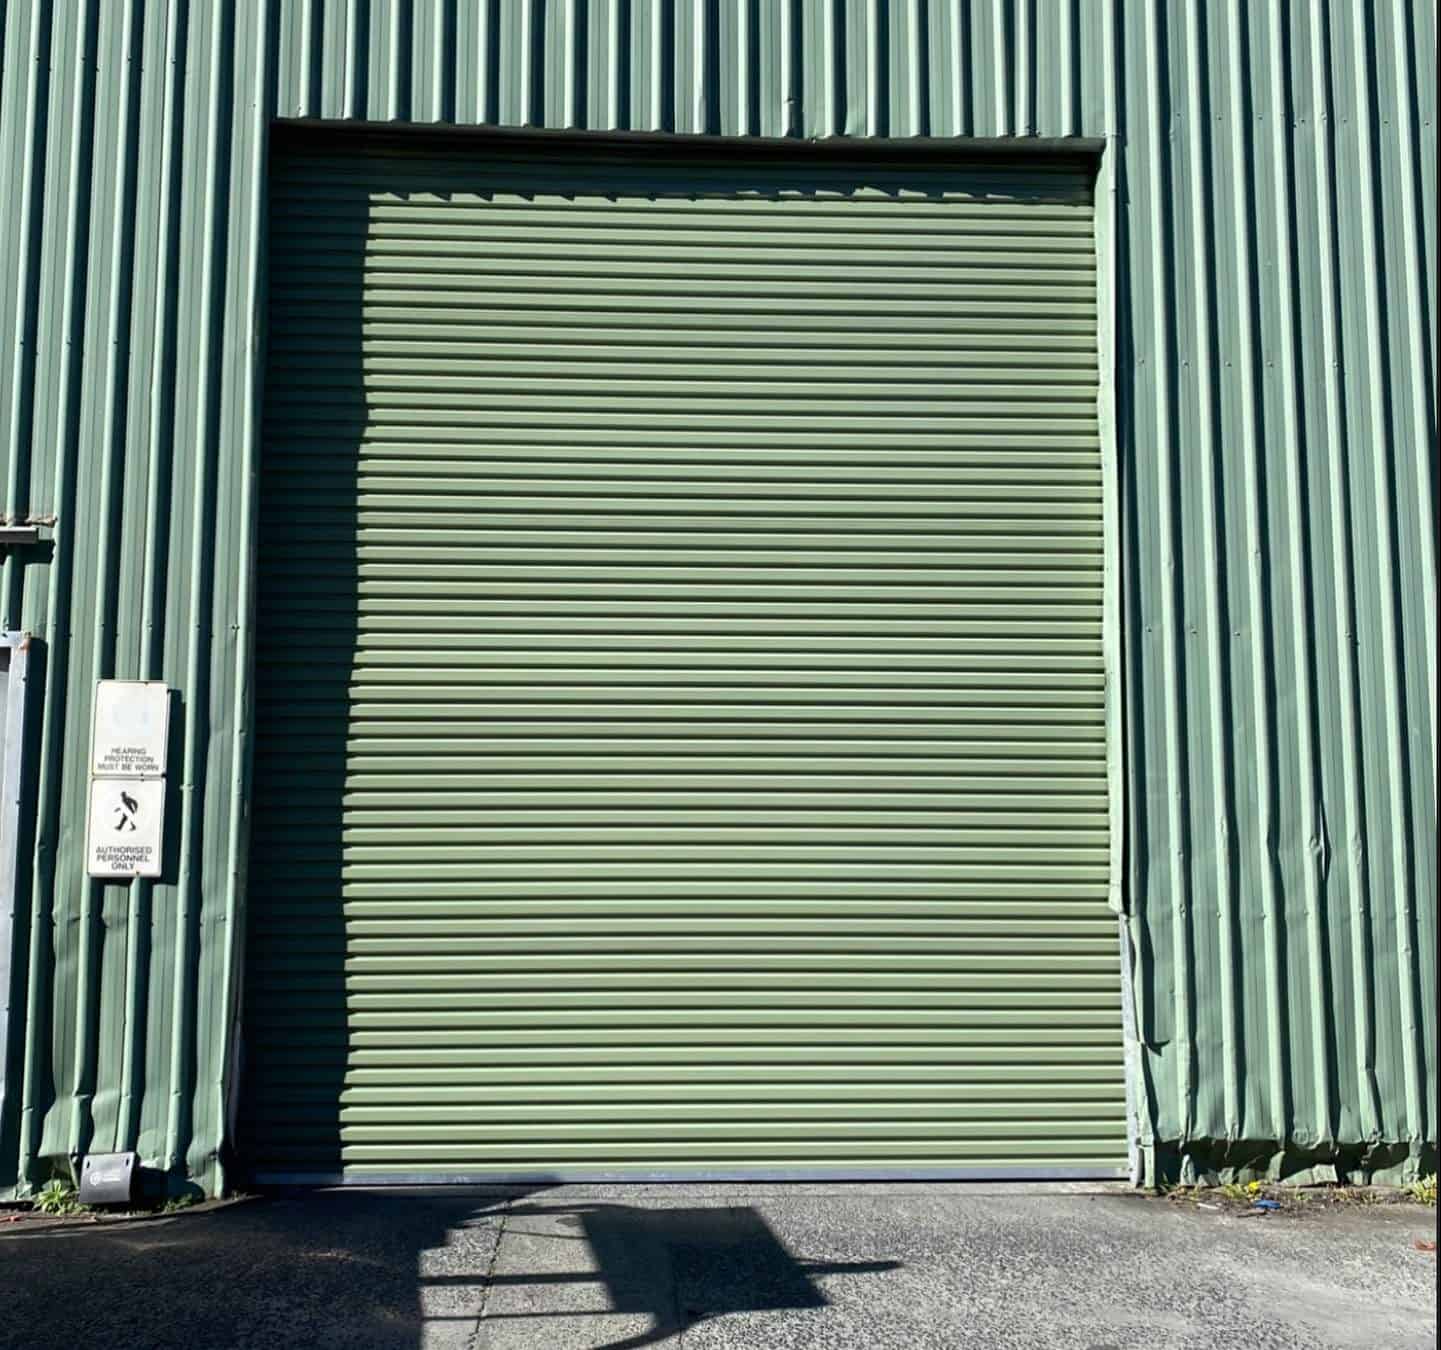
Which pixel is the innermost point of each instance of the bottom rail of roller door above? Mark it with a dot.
(577, 1176)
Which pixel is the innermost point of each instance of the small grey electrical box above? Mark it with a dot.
(108, 1178)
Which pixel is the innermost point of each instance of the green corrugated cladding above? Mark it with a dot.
(1268, 222)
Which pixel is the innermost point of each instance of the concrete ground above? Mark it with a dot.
(904, 1267)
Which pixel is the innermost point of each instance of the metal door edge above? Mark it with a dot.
(1109, 281)
(12, 779)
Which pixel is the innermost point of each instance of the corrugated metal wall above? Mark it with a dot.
(1274, 245)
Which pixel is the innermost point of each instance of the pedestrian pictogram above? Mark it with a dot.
(125, 826)
(125, 812)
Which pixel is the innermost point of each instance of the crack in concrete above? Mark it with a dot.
(489, 1282)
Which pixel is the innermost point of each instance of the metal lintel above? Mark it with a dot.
(293, 133)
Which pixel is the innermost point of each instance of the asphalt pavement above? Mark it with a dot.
(808, 1267)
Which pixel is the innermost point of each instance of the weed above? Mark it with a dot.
(59, 1197)
(176, 1203)
(1422, 1190)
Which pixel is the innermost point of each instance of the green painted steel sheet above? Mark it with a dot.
(1267, 221)
(681, 708)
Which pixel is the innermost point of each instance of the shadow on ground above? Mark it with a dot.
(649, 1273)
(401, 1269)
(728, 1267)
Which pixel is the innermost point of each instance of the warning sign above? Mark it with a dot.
(126, 816)
(131, 721)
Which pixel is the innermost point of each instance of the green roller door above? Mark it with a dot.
(681, 715)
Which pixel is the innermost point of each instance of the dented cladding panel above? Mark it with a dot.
(1272, 246)
(1277, 448)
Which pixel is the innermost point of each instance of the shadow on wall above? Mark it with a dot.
(297, 1021)
(402, 1269)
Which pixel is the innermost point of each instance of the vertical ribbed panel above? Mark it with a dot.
(810, 68)
(1277, 443)
(133, 133)
(1276, 236)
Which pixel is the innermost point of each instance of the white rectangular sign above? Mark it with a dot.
(132, 718)
(126, 819)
